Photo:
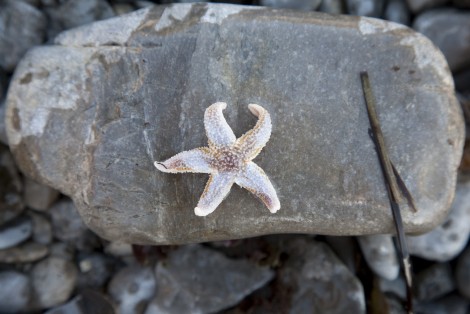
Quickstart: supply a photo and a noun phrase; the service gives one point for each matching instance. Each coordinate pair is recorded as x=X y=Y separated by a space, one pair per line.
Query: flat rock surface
x=90 y=114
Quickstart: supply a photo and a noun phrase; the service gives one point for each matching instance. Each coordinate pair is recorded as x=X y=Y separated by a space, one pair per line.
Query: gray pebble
x=434 y=282
x=462 y=273
x=417 y=6
x=304 y=5
x=42 y=230
x=332 y=6
x=132 y=287
x=38 y=196
x=196 y=279
x=11 y=203
x=397 y=11
x=24 y=253
x=15 y=292
x=371 y=8
x=53 y=281
x=15 y=232
x=380 y=254
x=95 y=269
x=449 y=29
x=451 y=304
x=446 y=241
x=22 y=26
x=69 y=13
x=87 y=302
x=396 y=287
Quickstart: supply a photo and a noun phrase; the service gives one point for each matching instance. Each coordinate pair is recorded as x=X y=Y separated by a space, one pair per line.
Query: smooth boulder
x=89 y=116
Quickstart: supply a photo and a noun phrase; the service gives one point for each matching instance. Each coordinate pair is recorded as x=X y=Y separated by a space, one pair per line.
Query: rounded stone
x=15 y=292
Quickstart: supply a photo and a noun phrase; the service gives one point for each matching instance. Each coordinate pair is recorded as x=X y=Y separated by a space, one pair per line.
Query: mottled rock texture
x=90 y=114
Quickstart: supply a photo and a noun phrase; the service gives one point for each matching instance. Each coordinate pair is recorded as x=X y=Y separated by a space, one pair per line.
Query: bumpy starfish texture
x=228 y=160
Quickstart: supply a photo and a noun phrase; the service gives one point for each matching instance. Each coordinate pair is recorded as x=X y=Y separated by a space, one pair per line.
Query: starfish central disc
x=228 y=160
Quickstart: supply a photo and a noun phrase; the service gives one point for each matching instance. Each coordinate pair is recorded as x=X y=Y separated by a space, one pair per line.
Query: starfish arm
x=257 y=182
x=254 y=140
x=218 y=131
x=195 y=160
x=216 y=190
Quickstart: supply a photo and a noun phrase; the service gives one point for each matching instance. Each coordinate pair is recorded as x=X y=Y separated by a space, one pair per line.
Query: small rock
x=417 y=6
x=117 y=248
x=449 y=239
x=42 y=231
x=24 y=253
x=380 y=254
x=462 y=273
x=332 y=6
x=69 y=13
x=62 y=250
x=38 y=196
x=15 y=292
x=304 y=5
x=397 y=11
x=195 y=279
x=373 y=8
x=95 y=269
x=316 y=279
x=53 y=281
x=132 y=287
x=449 y=29
x=22 y=26
x=68 y=226
x=396 y=287
x=452 y=304
x=3 y=130
x=15 y=232
x=11 y=204
x=434 y=282
x=87 y=302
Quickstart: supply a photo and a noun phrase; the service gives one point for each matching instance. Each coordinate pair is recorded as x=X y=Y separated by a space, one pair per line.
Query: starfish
x=228 y=160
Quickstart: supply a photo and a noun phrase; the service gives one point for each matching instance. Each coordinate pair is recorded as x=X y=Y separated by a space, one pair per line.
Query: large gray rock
x=90 y=115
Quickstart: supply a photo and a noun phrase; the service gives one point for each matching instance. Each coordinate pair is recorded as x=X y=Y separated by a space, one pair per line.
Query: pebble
x=196 y=279
x=434 y=282
x=87 y=302
x=15 y=291
x=53 y=281
x=451 y=304
x=3 y=130
x=332 y=7
x=380 y=254
x=68 y=14
x=417 y=6
x=15 y=232
x=24 y=253
x=38 y=196
x=68 y=226
x=95 y=270
x=132 y=287
x=462 y=273
x=117 y=248
x=397 y=11
x=396 y=287
x=11 y=203
x=446 y=241
x=42 y=229
x=316 y=279
x=304 y=5
x=448 y=29
x=372 y=8
x=22 y=26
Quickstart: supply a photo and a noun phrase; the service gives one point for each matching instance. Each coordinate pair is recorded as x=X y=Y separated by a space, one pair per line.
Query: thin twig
x=391 y=184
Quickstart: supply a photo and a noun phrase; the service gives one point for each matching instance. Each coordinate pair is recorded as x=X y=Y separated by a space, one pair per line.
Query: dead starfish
x=228 y=160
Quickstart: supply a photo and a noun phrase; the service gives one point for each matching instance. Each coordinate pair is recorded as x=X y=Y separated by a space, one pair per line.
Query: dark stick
x=391 y=184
